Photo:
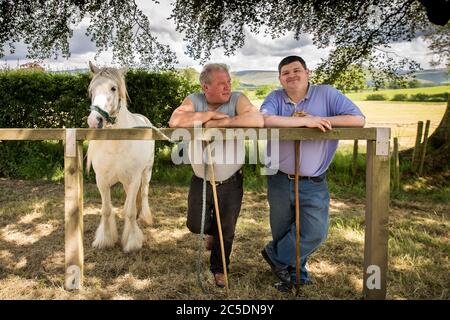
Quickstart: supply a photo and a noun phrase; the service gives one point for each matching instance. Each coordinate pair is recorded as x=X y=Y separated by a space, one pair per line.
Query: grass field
x=360 y=96
x=32 y=250
x=402 y=118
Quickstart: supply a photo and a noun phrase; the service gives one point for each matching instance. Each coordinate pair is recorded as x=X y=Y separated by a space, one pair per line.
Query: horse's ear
x=93 y=68
x=124 y=70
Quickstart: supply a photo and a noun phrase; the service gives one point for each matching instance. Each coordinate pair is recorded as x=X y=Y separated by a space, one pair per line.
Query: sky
x=258 y=53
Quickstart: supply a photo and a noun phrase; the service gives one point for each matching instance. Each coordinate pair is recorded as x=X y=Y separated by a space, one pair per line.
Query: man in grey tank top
x=217 y=106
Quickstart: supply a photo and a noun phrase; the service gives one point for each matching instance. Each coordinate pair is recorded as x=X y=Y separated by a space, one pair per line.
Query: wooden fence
x=377 y=187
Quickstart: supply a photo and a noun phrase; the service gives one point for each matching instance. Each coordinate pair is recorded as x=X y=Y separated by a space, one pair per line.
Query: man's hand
x=216 y=115
x=219 y=123
x=316 y=122
x=217 y=120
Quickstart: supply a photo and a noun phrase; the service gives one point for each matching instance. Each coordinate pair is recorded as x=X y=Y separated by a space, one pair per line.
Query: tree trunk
x=438 y=157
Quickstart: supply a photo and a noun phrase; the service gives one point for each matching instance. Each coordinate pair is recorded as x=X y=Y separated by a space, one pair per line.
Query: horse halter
x=105 y=114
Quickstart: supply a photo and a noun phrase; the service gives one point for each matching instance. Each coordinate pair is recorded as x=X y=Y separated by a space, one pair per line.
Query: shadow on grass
x=32 y=251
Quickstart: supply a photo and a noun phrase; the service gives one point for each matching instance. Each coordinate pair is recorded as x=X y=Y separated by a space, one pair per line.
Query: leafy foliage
x=353 y=79
x=45 y=100
x=47 y=25
x=359 y=30
x=263 y=91
x=439 y=41
x=42 y=100
x=376 y=97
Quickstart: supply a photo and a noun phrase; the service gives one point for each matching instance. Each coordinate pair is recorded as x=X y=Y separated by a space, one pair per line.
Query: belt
x=292 y=177
x=233 y=178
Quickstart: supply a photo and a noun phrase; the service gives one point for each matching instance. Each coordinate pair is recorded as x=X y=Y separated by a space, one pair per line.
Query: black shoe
x=282 y=274
x=219 y=278
x=283 y=286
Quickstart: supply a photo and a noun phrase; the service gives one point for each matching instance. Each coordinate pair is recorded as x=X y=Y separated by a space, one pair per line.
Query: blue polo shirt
x=320 y=100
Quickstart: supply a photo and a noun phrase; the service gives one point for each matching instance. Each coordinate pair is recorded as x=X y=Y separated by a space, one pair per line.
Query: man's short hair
x=205 y=75
x=289 y=60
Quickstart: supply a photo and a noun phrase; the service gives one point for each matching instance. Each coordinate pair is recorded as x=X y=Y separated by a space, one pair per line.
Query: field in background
x=402 y=118
x=359 y=96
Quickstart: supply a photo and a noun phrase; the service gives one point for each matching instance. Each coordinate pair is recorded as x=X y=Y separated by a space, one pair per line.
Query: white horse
x=127 y=161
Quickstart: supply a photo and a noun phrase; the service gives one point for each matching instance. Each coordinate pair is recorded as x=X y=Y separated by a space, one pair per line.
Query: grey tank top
x=229 y=157
x=229 y=108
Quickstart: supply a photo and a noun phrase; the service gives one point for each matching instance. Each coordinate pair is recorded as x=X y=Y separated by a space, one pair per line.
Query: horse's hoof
x=102 y=245
x=147 y=220
x=132 y=247
x=133 y=241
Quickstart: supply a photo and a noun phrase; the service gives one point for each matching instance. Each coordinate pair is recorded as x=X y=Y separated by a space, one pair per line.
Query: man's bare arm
x=271 y=121
x=347 y=121
x=247 y=116
x=323 y=123
x=185 y=116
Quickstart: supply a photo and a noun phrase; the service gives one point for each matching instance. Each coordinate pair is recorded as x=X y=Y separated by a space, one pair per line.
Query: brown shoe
x=219 y=278
x=209 y=240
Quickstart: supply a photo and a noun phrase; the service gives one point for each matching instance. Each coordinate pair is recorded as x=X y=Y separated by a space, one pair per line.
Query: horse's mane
x=116 y=76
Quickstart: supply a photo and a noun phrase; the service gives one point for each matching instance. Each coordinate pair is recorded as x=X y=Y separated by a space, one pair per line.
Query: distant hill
x=434 y=76
x=72 y=71
x=257 y=78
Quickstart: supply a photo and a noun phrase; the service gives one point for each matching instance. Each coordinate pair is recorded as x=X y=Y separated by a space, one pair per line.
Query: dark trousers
x=229 y=195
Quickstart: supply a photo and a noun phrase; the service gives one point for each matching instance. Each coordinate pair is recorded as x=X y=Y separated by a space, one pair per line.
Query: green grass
x=361 y=96
x=340 y=179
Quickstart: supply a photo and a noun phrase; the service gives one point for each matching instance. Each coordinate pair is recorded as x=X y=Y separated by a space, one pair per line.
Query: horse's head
x=108 y=95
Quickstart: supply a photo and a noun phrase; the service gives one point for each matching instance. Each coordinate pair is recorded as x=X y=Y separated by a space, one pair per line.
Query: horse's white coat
x=126 y=161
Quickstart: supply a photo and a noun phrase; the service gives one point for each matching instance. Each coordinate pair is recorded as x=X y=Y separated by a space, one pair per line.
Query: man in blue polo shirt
x=325 y=107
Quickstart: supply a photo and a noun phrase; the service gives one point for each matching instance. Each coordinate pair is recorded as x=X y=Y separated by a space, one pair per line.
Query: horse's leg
x=106 y=234
x=145 y=214
x=132 y=237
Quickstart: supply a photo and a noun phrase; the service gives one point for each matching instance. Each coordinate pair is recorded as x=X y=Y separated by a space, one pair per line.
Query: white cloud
x=417 y=49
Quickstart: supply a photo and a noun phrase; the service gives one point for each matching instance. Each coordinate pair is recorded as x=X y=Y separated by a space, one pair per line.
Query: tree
x=353 y=79
x=439 y=43
x=190 y=74
x=359 y=30
x=414 y=83
x=235 y=83
x=263 y=91
x=47 y=25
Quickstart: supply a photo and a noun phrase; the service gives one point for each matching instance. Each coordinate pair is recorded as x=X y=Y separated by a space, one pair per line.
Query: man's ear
x=93 y=68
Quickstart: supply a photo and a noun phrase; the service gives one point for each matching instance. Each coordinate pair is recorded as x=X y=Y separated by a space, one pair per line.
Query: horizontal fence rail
x=377 y=183
x=197 y=134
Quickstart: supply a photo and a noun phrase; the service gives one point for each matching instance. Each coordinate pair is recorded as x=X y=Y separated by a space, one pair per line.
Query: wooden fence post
x=416 y=150
x=377 y=214
x=355 y=160
x=396 y=161
x=423 y=149
x=73 y=185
